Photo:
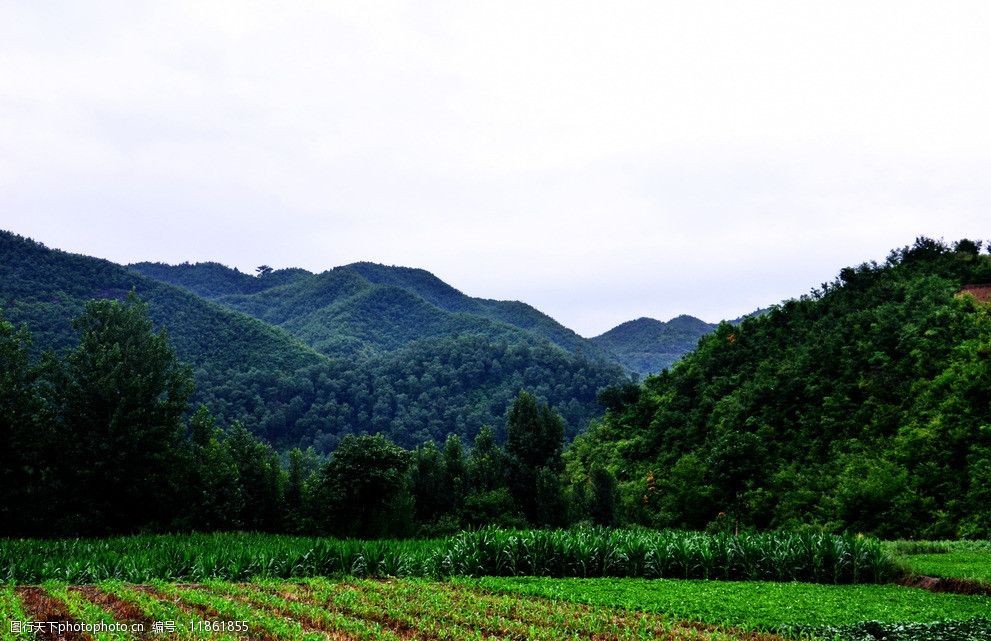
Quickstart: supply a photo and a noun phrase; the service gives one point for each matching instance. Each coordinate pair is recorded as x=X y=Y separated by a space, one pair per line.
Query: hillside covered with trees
x=863 y=406
x=366 y=307
x=329 y=354
x=647 y=346
x=99 y=440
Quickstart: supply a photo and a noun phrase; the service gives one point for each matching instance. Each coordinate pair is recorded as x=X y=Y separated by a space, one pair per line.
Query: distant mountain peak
x=646 y=345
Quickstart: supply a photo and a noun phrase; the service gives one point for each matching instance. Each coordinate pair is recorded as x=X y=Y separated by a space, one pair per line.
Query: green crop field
x=963 y=565
x=756 y=605
x=490 y=608
x=318 y=609
x=493 y=584
x=579 y=552
x=956 y=559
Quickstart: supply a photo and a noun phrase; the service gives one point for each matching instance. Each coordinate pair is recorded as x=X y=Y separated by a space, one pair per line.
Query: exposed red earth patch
x=121 y=610
x=981 y=292
x=947 y=585
x=43 y=607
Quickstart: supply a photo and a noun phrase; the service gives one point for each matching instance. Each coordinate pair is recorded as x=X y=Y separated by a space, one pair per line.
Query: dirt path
x=122 y=611
x=43 y=607
x=947 y=585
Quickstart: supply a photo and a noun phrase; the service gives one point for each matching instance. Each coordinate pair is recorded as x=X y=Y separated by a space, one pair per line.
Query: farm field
x=755 y=605
x=321 y=609
x=513 y=608
x=577 y=552
x=962 y=565
x=494 y=584
x=954 y=559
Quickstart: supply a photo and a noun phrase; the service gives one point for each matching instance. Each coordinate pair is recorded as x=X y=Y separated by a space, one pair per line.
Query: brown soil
x=980 y=291
x=43 y=607
x=953 y=586
x=121 y=610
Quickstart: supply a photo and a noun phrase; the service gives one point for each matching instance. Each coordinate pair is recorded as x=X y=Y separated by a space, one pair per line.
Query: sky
x=601 y=161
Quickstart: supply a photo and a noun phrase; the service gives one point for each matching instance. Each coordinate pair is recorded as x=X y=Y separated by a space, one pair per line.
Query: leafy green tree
x=867 y=495
x=260 y=480
x=428 y=483
x=550 y=504
x=363 y=486
x=734 y=467
x=124 y=398
x=455 y=474
x=487 y=463
x=301 y=473
x=215 y=500
x=534 y=443
x=976 y=524
x=602 y=506
x=23 y=430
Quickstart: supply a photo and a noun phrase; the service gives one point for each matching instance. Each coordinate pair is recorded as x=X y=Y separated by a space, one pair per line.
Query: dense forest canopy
x=305 y=359
x=865 y=405
x=97 y=441
x=366 y=307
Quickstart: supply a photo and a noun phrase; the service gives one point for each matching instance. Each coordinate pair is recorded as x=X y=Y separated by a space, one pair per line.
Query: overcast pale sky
x=601 y=161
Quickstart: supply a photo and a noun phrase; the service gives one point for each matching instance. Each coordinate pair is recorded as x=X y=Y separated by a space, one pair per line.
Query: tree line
x=100 y=441
x=863 y=406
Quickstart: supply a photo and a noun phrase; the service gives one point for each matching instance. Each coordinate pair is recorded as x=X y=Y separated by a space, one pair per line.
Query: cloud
x=600 y=162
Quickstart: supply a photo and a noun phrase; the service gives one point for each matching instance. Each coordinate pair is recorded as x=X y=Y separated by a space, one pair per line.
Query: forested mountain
x=366 y=306
x=46 y=289
x=387 y=360
x=864 y=406
x=647 y=346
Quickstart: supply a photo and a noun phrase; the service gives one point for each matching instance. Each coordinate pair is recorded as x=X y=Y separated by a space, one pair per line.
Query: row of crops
x=320 y=609
x=580 y=552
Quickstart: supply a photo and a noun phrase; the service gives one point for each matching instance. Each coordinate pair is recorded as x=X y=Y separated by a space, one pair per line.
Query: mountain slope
x=394 y=376
x=647 y=346
x=47 y=288
x=310 y=306
x=863 y=407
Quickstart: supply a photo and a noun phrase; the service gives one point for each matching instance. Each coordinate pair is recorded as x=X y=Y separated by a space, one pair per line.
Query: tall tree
x=455 y=474
x=363 y=486
x=216 y=500
x=260 y=480
x=427 y=483
x=534 y=442
x=124 y=398
x=20 y=422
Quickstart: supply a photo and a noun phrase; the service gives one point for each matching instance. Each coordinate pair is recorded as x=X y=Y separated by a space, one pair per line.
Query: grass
x=961 y=565
x=953 y=559
x=753 y=605
x=579 y=552
x=11 y=610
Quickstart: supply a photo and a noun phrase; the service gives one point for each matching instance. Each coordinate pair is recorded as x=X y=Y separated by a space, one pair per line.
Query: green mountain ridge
x=46 y=288
x=647 y=346
x=305 y=359
x=310 y=305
